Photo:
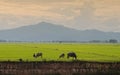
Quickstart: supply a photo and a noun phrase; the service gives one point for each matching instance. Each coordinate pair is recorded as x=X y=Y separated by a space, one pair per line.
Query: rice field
x=51 y=51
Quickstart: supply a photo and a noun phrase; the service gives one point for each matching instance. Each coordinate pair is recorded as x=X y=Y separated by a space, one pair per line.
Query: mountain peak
x=44 y=31
x=43 y=22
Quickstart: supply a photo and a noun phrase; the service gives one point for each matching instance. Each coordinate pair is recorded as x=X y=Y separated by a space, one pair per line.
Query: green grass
x=89 y=52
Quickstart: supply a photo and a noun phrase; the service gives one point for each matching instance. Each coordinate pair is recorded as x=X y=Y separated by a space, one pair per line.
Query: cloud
x=98 y=14
x=79 y=14
x=56 y=11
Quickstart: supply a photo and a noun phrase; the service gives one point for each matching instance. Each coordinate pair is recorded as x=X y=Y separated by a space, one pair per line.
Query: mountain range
x=44 y=31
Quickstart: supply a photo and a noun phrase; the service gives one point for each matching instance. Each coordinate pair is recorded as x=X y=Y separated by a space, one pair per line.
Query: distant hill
x=49 y=32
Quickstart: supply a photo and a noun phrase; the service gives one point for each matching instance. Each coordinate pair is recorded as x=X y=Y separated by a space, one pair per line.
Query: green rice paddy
x=87 y=52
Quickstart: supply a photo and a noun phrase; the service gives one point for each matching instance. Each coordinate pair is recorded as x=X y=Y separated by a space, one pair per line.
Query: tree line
x=91 y=41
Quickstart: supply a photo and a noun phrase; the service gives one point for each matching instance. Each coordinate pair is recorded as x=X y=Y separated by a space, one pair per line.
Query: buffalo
x=72 y=54
x=37 y=55
x=62 y=55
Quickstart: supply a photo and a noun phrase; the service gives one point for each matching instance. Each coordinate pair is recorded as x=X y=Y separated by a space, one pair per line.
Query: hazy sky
x=80 y=14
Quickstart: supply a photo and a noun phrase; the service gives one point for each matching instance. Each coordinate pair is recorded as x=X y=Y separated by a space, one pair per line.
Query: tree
x=113 y=41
